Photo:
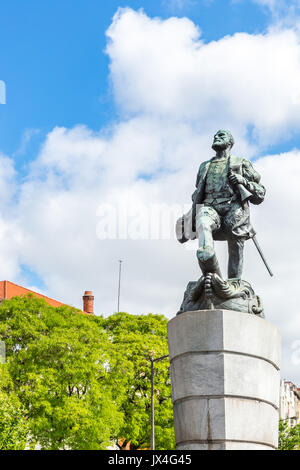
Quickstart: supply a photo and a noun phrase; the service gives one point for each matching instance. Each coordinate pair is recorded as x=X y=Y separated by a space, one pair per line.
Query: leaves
x=289 y=437
x=14 y=427
x=135 y=338
x=83 y=382
x=56 y=359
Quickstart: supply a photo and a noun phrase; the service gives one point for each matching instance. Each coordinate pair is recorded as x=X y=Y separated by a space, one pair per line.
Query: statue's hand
x=235 y=178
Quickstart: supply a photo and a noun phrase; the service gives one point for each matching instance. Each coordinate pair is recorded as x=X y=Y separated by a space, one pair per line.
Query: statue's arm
x=252 y=183
x=199 y=174
x=197 y=183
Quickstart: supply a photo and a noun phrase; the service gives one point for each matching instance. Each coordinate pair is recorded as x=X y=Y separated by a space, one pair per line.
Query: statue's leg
x=207 y=220
x=236 y=257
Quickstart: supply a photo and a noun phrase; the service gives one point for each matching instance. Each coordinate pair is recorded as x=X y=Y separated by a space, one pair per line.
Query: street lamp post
x=152 y=407
x=152 y=399
x=119 y=285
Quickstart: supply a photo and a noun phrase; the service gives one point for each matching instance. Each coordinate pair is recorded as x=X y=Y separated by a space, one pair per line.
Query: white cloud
x=284 y=13
x=28 y=134
x=276 y=6
x=173 y=92
x=164 y=68
x=179 y=4
x=10 y=235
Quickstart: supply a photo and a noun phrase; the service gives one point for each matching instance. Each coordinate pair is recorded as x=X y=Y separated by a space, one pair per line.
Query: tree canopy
x=289 y=437
x=57 y=361
x=14 y=429
x=83 y=382
x=136 y=338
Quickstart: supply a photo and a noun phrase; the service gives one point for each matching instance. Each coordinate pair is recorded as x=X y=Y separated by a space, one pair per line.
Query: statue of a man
x=224 y=187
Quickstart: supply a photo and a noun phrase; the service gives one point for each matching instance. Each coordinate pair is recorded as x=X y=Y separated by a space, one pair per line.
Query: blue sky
x=53 y=62
x=105 y=109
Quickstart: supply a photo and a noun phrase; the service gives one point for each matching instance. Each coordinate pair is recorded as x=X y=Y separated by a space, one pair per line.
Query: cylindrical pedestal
x=225 y=380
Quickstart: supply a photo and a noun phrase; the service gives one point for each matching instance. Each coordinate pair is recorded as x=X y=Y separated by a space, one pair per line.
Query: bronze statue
x=225 y=185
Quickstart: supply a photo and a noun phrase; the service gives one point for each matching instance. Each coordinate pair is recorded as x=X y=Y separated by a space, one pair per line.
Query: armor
x=238 y=224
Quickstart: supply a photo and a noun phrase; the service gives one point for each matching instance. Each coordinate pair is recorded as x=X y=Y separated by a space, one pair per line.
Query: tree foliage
x=14 y=427
x=135 y=339
x=83 y=382
x=289 y=437
x=57 y=361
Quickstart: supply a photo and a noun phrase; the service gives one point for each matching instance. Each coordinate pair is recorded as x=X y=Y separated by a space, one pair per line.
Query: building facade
x=289 y=402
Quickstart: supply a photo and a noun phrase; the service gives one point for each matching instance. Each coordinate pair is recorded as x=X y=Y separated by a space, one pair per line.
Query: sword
x=261 y=254
x=245 y=194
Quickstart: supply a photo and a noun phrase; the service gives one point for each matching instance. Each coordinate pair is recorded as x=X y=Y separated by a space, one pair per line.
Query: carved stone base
x=212 y=292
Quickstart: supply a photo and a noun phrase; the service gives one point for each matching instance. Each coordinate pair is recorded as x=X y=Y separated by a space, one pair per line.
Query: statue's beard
x=219 y=146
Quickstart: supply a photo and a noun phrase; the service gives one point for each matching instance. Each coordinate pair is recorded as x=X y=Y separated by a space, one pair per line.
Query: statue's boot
x=235 y=259
x=208 y=261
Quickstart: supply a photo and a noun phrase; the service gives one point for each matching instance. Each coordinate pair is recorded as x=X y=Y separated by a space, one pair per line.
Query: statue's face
x=221 y=140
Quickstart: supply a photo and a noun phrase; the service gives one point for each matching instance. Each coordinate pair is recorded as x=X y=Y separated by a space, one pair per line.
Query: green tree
x=13 y=421
x=84 y=381
x=289 y=437
x=135 y=338
x=58 y=359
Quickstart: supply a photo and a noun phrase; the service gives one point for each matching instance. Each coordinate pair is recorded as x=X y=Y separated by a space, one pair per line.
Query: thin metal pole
x=152 y=407
x=119 y=287
x=152 y=399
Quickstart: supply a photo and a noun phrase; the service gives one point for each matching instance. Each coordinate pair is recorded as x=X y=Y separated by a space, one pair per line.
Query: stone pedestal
x=225 y=380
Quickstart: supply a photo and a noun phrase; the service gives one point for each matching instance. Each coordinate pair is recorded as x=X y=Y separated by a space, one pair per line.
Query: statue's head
x=222 y=140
